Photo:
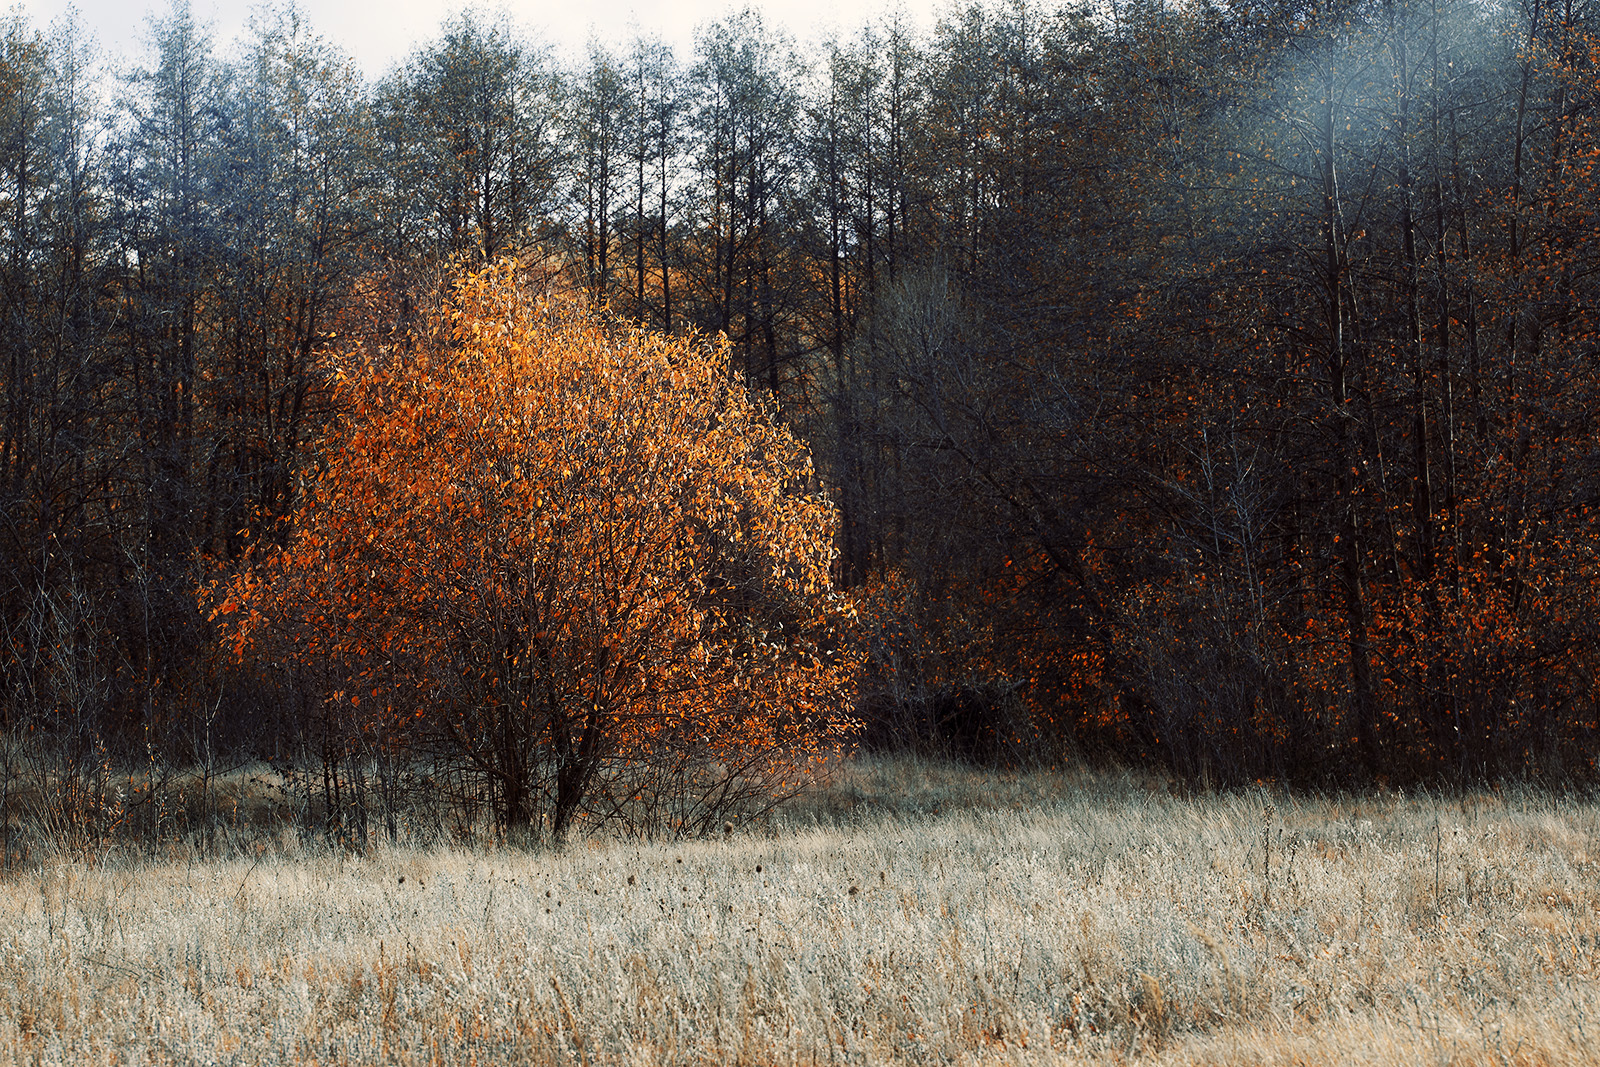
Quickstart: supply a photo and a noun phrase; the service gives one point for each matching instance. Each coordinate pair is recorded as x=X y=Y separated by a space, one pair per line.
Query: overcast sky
x=378 y=32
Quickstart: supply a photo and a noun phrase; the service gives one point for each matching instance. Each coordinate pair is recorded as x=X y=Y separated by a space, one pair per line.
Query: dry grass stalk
x=1036 y=920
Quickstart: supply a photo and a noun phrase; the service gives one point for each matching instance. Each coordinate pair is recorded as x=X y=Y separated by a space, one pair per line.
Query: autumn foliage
x=578 y=560
x=1206 y=387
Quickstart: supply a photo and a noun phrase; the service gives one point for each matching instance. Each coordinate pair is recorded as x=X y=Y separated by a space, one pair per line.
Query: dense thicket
x=1211 y=385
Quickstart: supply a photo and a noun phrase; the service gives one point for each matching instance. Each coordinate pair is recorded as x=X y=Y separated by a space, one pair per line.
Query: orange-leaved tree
x=580 y=558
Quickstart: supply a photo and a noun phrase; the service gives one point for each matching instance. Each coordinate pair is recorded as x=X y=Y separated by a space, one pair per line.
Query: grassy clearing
x=908 y=915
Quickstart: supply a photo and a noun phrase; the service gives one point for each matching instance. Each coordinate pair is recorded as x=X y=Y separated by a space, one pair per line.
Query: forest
x=1209 y=387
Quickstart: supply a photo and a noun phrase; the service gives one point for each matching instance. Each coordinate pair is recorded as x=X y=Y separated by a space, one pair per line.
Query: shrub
x=580 y=559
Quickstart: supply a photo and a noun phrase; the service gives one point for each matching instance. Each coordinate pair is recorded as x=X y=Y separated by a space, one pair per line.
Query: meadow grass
x=907 y=914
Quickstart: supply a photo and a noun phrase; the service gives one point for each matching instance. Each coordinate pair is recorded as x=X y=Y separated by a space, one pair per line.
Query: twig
x=240 y=891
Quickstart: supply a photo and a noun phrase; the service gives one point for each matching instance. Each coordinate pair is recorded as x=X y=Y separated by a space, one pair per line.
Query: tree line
x=1208 y=386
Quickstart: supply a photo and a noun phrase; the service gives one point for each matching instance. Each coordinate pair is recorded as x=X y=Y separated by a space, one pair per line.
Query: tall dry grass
x=910 y=915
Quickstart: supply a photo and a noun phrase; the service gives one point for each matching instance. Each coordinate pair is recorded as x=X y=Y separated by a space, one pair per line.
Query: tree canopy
x=580 y=556
x=1204 y=386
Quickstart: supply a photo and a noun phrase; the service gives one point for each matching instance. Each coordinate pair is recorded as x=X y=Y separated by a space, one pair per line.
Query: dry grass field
x=906 y=915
